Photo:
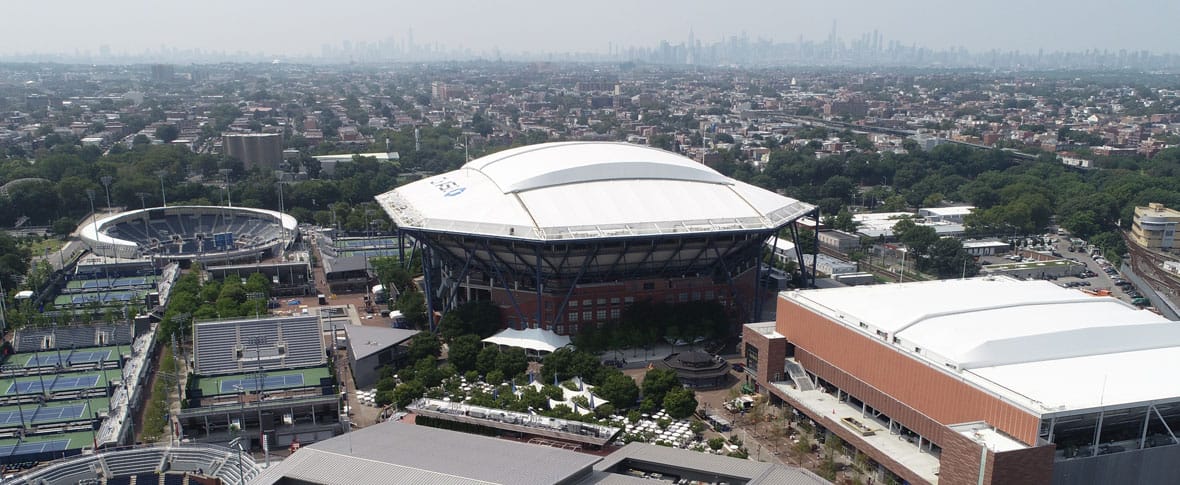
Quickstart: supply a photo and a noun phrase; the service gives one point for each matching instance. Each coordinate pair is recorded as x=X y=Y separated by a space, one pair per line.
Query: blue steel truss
x=520 y=266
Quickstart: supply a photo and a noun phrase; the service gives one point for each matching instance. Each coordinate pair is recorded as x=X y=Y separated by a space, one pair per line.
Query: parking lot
x=1099 y=275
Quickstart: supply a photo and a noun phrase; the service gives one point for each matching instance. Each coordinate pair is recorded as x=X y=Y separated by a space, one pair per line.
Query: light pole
x=93 y=218
x=106 y=184
x=282 y=229
x=143 y=199
x=163 y=197
x=20 y=410
x=229 y=200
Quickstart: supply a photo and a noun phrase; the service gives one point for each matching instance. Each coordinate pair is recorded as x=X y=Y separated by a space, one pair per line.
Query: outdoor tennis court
x=38 y=447
x=8 y=418
x=268 y=382
x=43 y=415
x=367 y=243
x=124 y=282
x=103 y=297
x=74 y=357
x=372 y=253
x=58 y=383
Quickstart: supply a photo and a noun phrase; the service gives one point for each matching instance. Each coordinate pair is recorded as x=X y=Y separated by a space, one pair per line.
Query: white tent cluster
x=678 y=432
x=567 y=396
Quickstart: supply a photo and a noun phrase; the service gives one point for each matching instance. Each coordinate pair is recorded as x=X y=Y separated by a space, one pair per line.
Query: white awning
x=529 y=339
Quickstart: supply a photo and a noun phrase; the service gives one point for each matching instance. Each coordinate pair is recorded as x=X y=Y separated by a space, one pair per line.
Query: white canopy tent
x=534 y=341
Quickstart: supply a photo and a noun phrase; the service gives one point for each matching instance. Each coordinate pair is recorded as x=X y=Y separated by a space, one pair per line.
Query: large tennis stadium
x=191 y=233
x=565 y=234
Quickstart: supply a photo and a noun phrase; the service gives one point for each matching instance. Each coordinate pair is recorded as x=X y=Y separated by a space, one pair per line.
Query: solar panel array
x=29 y=339
x=226 y=347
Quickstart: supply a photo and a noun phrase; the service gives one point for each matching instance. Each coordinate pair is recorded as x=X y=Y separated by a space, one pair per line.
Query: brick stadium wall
x=1029 y=466
x=885 y=379
x=771 y=355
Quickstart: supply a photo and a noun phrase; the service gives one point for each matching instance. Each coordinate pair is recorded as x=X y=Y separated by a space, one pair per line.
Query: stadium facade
x=567 y=234
x=942 y=381
x=191 y=233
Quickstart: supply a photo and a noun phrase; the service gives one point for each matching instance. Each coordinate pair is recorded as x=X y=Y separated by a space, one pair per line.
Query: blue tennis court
x=268 y=382
x=40 y=447
x=8 y=418
x=114 y=296
x=73 y=411
x=75 y=357
x=42 y=415
x=59 y=384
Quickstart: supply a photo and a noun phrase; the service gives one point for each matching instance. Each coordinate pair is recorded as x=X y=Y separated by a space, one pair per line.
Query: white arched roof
x=576 y=190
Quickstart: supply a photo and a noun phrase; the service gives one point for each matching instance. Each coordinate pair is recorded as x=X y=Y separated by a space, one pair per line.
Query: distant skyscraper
x=692 y=47
x=163 y=72
x=254 y=149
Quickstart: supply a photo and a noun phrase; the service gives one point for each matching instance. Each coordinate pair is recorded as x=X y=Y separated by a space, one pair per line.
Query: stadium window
x=649 y=286
x=573 y=317
x=614 y=301
x=602 y=301
x=629 y=300
x=560 y=329
x=614 y=313
x=683 y=297
x=573 y=303
x=587 y=302
x=587 y=316
x=601 y=315
x=573 y=329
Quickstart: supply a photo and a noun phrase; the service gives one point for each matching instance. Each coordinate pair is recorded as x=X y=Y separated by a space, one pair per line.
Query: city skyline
x=461 y=29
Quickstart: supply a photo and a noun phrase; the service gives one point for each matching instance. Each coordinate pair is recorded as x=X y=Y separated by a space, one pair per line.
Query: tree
x=657 y=383
x=63 y=226
x=949 y=259
x=619 y=389
x=680 y=402
x=512 y=361
x=167 y=133
x=475 y=317
x=485 y=361
x=463 y=352
x=406 y=392
x=424 y=344
x=917 y=239
x=412 y=304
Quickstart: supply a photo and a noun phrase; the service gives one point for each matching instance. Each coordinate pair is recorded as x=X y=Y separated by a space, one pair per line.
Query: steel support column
x=1169 y=428
x=1146 y=421
x=540 y=292
x=507 y=288
x=560 y=315
x=426 y=281
x=1097 y=434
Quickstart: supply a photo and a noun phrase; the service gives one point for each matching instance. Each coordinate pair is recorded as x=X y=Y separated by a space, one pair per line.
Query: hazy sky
x=298 y=27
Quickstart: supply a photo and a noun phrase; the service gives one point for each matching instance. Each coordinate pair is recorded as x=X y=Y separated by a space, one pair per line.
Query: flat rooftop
x=402 y=453
x=1047 y=349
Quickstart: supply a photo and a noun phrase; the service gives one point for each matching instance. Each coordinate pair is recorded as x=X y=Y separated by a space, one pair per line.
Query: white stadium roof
x=578 y=190
x=1045 y=348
